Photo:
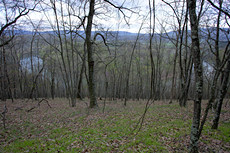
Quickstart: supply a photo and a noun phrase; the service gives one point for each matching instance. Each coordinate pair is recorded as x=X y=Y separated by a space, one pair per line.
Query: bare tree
x=195 y=48
x=218 y=70
x=221 y=95
x=62 y=27
x=92 y=93
x=151 y=33
x=130 y=64
x=12 y=11
x=182 y=49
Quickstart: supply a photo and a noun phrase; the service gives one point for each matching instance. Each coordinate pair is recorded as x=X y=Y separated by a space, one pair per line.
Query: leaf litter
x=62 y=128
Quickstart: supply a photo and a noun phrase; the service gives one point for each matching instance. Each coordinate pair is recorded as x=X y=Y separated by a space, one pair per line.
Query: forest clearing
x=62 y=128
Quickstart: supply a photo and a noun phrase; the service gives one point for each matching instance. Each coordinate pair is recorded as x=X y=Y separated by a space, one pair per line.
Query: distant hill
x=224 y=34
x=204 y=33
x=124 y=35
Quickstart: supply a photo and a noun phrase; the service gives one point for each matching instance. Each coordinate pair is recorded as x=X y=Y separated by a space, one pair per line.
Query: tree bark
x=130 y=64
x=194 y=136
x=221 y=95
x=217 y=73
x=52 y=81
x=89 y=45
x=152 y=30
x=6 y=75
x=81 y=74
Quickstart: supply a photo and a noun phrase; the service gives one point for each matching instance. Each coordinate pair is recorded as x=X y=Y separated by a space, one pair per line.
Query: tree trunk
x=217 y=73
x=129 y=66
x=152 y=30
x=92 y=94
x=7 y=78
x=81 y=75
x=2 y=77
x=194 y=137
x=31 y=61
x=172 y=96
x=52 y=83
x=221 y=95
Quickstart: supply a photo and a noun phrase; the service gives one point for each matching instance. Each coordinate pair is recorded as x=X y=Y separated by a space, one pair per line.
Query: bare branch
x=178 y=19
x=121 y=8
x=224 y=11
x=24 y=12
x=99 y=34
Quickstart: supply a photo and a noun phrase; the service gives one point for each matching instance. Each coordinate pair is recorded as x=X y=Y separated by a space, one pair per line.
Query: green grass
x=166 y=128
x=223 y=132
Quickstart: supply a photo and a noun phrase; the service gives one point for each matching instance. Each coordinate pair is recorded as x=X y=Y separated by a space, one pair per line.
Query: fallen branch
x=24 y=105
x=19 y=108
x=38 y=105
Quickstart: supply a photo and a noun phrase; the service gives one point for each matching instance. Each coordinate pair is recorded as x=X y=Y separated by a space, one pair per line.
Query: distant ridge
x=124 y=35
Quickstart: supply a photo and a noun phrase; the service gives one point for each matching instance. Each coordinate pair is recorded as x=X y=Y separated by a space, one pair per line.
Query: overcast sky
x=115 y=19
x=108 y=17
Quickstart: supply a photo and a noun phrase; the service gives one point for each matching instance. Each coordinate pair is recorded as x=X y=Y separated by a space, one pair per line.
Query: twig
x=225 y=11
x=121 y=9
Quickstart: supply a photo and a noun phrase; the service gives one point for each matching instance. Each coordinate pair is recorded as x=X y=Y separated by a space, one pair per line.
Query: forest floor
x=166 y=127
